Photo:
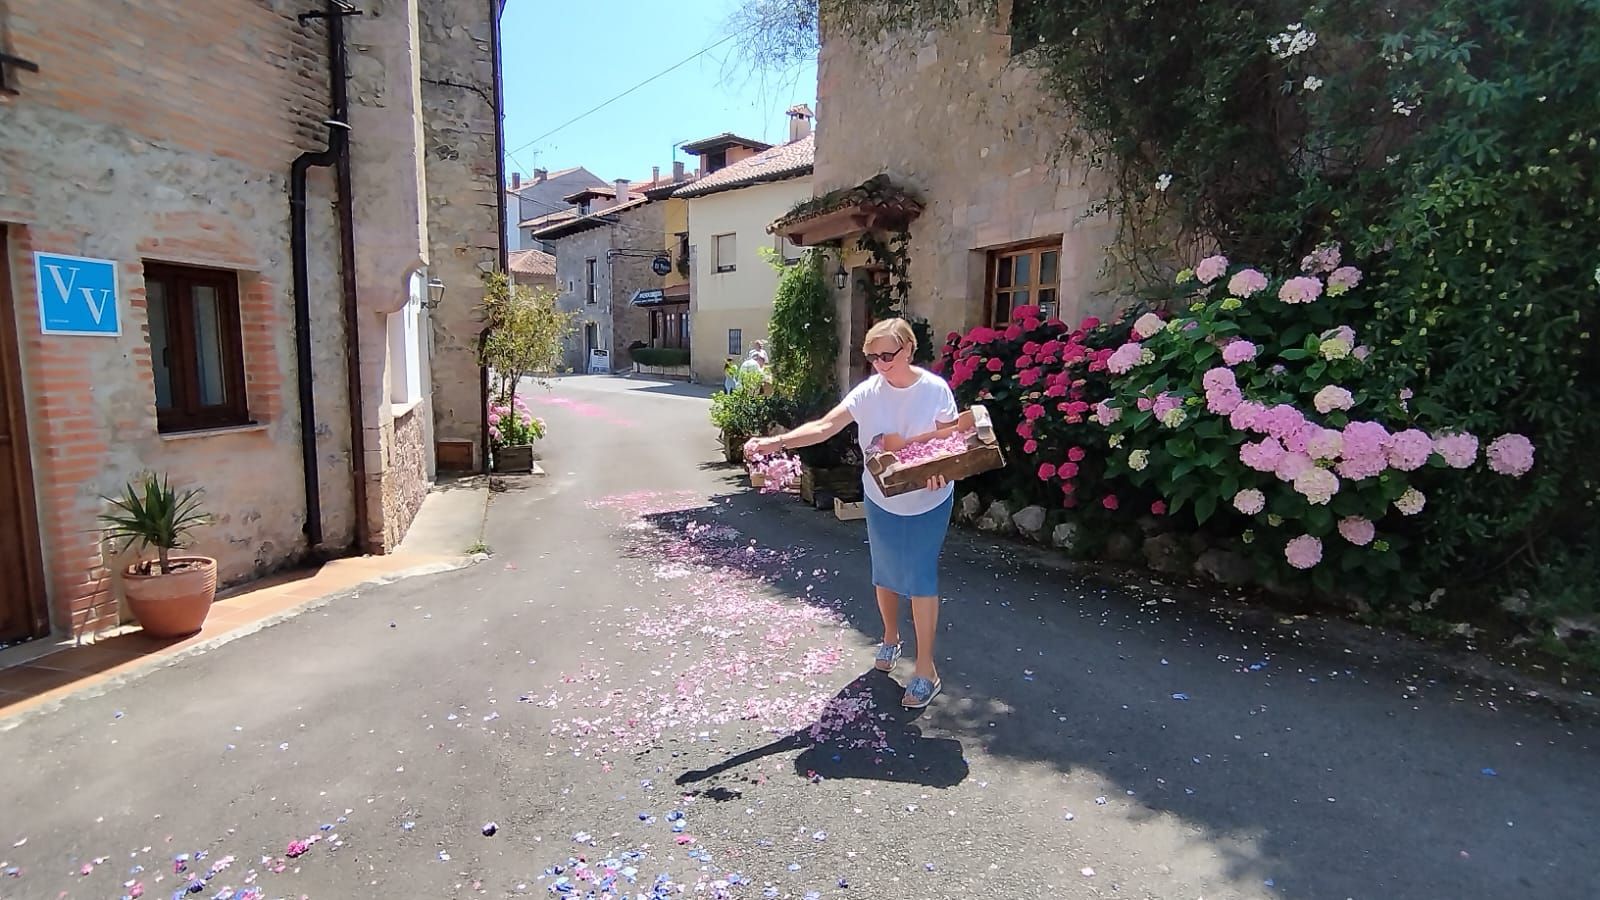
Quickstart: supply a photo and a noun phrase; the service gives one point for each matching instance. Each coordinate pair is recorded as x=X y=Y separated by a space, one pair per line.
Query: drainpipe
x=352 y=323
x=338 y=143
x=495 y=8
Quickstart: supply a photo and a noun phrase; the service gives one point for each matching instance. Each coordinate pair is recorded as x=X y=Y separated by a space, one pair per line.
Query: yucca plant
x=152 y=514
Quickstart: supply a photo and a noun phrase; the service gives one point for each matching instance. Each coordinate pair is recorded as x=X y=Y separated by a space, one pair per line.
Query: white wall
x=742 y=298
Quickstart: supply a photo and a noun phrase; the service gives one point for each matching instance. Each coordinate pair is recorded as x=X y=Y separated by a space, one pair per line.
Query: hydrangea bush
x=513 y=425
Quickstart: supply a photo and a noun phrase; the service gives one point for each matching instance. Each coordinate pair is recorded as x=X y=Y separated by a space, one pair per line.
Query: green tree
x=803 y=338
x=525 y=333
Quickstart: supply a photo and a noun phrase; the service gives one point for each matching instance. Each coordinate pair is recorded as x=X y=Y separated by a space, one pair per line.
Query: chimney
x=655 y=175
x=677 y=171
x=539 y=175
x=800 y=116
x=516 y=180
x=622 y=190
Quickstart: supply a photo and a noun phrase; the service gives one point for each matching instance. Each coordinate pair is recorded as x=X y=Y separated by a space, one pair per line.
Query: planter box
x=849 y=512
x=757 y=480
x=677 y=372
x=514 y=459
x=840 y=480
x=982 y=455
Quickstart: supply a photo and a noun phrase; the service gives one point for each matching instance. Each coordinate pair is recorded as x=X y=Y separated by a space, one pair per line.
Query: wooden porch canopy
x=875 y=203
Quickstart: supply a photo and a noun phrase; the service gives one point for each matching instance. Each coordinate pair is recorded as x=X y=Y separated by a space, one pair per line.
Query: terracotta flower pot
x=173 y=605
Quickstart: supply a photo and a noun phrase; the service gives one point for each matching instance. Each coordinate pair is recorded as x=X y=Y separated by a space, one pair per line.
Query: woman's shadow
x=862 y=732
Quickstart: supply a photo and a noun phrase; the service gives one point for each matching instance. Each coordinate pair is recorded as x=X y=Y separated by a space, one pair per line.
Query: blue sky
x=562 y=58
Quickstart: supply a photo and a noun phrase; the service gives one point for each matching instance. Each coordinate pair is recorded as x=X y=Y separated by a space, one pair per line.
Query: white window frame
x=730 y=262
x=405 y=345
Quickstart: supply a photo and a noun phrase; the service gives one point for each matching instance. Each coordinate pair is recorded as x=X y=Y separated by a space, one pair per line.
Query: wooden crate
x=757 y=480
x=849 y=512
x=982 y=455
x=844 y=480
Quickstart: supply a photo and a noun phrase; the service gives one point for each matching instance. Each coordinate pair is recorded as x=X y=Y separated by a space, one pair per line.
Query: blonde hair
x=898 y=329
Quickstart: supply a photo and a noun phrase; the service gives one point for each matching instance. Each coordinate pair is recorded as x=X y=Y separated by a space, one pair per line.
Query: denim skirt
x=905 y=549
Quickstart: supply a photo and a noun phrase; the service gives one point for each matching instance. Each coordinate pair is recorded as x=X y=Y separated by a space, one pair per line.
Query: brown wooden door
x=21 y=590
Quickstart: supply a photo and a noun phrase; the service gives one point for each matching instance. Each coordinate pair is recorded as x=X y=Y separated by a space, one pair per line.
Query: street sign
x=661 y=265
x=77 y=296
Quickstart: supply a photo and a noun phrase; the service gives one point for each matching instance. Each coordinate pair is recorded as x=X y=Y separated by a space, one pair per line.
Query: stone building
x=160 y=311
x=528 y=201
x=729 y=209
x=533 y=269
x=958 y=126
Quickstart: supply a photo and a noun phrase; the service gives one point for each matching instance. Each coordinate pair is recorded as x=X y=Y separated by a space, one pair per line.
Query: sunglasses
x=884 y=357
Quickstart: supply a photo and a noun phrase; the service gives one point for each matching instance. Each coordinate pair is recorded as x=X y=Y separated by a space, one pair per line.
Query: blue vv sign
x=77 y=295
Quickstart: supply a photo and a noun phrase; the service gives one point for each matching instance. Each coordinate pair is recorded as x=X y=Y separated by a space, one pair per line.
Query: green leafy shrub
x=745 y=411
x=803 y=340
x=660 y=356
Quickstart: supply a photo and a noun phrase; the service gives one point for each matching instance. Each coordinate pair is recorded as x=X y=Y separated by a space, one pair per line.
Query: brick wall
x=163 y=131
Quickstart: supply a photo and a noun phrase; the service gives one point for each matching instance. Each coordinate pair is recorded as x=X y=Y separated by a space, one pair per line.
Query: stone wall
x=460 y=124
x=408 y=484
x=951 y=116
x=639 y=229
x=96 y=163
x=572 y=253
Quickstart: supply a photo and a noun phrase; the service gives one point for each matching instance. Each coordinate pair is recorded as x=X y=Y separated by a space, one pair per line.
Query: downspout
x=338 y=140
x=495 y=8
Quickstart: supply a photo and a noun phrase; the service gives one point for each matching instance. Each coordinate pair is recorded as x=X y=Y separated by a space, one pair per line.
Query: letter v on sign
x=77 y=295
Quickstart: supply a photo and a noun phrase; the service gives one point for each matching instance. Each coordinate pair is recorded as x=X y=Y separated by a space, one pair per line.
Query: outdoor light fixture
x=435 y=293
x=841 y=278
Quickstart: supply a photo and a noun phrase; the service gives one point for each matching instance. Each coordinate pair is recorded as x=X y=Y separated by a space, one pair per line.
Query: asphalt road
x=662 y=674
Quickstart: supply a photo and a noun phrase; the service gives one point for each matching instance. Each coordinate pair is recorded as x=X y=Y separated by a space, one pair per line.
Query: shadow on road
x=862 y=733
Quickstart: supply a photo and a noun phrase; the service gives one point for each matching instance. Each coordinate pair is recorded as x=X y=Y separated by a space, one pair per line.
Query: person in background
x=899 y=404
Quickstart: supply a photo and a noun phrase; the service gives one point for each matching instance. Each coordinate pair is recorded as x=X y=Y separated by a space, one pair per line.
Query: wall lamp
x=435 y=293
x=841 y=278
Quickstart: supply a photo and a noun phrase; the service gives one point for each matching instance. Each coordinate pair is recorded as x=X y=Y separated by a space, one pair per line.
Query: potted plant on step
x=742 y=413
x=512 y=431
x=169 y=595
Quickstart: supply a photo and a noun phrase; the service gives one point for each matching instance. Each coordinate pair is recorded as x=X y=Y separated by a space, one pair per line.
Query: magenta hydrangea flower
x=1409 y=450
x=1246 y=282
x=1250 y=501
x=1247 y=416
x=1459 y=449
x=1332 y=397
x=1211 y=268
x=1510 y=454
x=1343 y=279
x=1263 y=456
x=1240 y=351
x=1303 y=289
x=1105 y=413
x=1033 y=411
x=1219 y=379
x=1357 y=530
x=1303 y=552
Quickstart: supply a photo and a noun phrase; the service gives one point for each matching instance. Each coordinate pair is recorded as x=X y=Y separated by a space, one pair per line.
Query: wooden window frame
x=591 y=268
x=716 y=252
x=187 y=412
x=992 y=290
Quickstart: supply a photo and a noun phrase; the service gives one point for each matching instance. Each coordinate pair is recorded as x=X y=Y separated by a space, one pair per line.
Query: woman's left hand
x=936 y=482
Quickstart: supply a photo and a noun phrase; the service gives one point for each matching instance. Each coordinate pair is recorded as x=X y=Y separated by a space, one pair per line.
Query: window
x=727 y=252
x=669 y=327
x=1022 y=277
x=405 y=347
x=195 y=348
x=788 y=252
x=589 y=266
x=683 y=253
x=716 y=160
x=735 y=342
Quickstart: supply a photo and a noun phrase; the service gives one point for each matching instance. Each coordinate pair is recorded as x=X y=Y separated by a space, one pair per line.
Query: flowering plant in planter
x=1257 y=409
x=513 y=425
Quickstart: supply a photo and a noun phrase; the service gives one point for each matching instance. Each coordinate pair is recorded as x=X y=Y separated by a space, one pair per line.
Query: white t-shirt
x=879 y=408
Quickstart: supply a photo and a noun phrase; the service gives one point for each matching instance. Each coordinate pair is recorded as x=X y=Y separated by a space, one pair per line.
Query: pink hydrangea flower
x=1247 y=416
x=1028 y=378
x=1343 y=279
x=1297 y=440
x=1263 y=456
x=1317 y=485
x=1365 y=439
x=1325 y=443
x=1223 y=402
x=1013 y=331
x=1110 y=501
x=1303 y=552
x=1030 y=446
x=1067 y=470
x=1105 y=413
x=1246 y=282
x=1147 y=325
x=1165 y=403
x=1357 y=530
x=1047 y=471
x=1281 y=421
x=1459 y=449
x=1292 y=465
x=1331 y=398
x=996 y=364
x=1409 y=450
x=1211 y=268
x=1076 y=454
x=1303 y=289
x=1510 y=454
x=1033 y=411
x=1323 y=259
x=1240 y=351
x=1250 y=501
x=1158 y=508
x=1124 y=359
x=1219 y=379
x=1366 y=465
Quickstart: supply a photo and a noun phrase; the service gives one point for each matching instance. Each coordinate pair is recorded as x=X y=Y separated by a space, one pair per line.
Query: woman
x=900 y=404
